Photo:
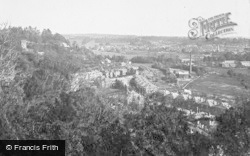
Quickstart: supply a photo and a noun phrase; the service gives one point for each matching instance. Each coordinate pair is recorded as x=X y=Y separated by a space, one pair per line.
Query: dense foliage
x=233 y=131
x=140 y=59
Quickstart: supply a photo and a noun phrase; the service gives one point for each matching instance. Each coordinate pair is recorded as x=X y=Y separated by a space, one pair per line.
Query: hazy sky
x=134 y=17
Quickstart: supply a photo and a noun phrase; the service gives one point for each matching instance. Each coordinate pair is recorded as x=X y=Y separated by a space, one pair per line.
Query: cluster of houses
x=233 y=63
x=117 y=47
x=120 y=71
x=161 y=46
x=106 y=77
x=187 y=94
x=91 y=75
x=245 y=63
x=222 y=48
x=198 y=114
x=228 y=64
x=144 y=83
x=138 y=45
x=111 y=73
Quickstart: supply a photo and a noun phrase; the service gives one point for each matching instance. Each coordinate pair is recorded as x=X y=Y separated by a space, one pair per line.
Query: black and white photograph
x=124 y=77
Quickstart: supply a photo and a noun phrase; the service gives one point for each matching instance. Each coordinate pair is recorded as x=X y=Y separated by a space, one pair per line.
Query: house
x=111 y=74
x=174 y=95
x=123 y=71
x=187 y=91
x=228 y=64
x=179 y=73
x=116 y=73
x=245 y=63
x=211 y=102
x=108 y=60
x=198 y=99
x=164 y=91
x=24 y=44
x=187 y=61
x=40 y=53
x=183 y=74
x=123 y=64
x=207 y=55
x=65 y=45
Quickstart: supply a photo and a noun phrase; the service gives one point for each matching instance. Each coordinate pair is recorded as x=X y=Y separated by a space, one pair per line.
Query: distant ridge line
x=118 y=35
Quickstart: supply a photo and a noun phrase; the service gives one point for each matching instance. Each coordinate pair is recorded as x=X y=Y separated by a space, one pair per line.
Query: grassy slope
x=216 y=84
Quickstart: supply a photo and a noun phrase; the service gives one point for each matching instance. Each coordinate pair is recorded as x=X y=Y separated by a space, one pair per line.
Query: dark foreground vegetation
x=36 y=103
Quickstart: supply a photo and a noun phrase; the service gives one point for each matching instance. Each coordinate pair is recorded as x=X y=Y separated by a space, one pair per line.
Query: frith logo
x=212 y=27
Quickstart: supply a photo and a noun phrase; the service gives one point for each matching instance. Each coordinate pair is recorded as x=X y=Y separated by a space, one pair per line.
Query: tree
x=159 y=130
x=229 y=56
x=233 y=131
x=222 y=58
x=119 y=85
x=32 y=34
x=46 y=35
x=231 y=73
x=8 y=56
x=116 y=140
x=59 y=37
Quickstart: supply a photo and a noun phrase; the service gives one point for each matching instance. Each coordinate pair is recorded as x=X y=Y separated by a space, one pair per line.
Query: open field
x=244 y=71
x=218 y=85
x=218 y=70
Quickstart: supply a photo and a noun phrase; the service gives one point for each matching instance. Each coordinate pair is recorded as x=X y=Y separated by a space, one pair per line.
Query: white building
x=180 y=73
x=245 y=63
x=24 y=44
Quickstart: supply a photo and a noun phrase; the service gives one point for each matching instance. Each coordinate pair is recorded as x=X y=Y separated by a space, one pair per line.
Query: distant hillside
x=68 y=36
x=83 y=39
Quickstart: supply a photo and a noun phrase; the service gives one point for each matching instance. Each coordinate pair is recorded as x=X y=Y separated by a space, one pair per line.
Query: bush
x=231 y=73
x=169 y=78
x=119 y=85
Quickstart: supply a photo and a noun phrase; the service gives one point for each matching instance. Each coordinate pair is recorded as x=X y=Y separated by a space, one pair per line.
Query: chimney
x=218 y=48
